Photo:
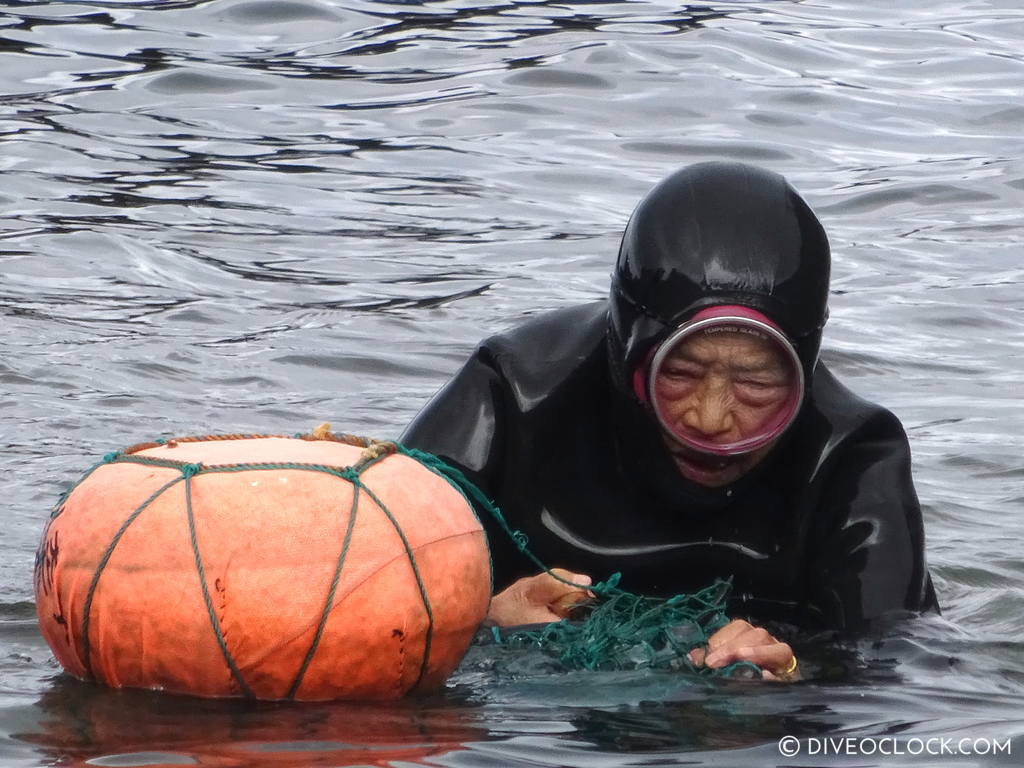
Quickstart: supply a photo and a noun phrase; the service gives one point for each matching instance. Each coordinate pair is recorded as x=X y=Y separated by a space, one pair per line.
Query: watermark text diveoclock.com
x=859 y=746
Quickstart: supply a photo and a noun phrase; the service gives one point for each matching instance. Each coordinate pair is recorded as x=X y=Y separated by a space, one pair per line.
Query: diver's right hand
x=740 y=640
x=538 y=599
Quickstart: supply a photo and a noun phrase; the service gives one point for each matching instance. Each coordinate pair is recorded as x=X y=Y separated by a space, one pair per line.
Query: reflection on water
x=78 y=722
x=512 y=711
x=257 y=215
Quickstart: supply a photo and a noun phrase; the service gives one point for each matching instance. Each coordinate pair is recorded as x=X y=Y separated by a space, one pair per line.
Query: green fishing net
x=624 y=631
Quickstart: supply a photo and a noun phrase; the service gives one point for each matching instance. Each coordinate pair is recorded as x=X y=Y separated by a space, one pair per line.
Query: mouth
x=704 y=468
x=704 y=462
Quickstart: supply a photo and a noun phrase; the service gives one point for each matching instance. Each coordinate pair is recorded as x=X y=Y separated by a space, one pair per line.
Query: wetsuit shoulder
x=867 y=535
x=542 y=352
x=507 y=376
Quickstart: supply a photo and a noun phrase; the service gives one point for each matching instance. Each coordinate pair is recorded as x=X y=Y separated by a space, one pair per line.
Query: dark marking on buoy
x=46 y=563
x=62 y=621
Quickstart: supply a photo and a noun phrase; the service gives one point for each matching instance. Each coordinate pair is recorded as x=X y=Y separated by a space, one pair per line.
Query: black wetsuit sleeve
x=462 y=423
x=868 y=558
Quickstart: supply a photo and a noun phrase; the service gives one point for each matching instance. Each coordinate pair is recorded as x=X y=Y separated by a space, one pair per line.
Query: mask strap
x=640 y=377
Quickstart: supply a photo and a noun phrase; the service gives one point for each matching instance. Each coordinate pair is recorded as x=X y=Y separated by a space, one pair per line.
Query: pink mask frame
x=734 y=319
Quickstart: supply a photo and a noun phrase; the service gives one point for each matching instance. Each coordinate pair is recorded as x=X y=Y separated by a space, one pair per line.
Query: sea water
x=257 y=215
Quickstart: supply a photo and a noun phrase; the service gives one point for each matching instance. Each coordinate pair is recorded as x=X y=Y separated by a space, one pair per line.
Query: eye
x=761 y=392
x=678 y=379
x=682 y=371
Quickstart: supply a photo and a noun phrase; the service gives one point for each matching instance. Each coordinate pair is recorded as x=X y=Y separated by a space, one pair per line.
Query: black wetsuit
x=825 y=532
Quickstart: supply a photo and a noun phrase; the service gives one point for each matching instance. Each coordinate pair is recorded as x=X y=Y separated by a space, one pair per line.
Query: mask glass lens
x=726 y=385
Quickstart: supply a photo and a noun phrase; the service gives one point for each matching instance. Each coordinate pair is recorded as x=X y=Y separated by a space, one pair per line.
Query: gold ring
x=789 y=673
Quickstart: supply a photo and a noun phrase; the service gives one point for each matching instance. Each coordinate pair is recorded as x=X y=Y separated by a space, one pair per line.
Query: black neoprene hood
x=712 y=234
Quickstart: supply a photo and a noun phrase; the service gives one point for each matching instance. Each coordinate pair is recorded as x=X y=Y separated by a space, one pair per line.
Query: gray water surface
x=257 y=215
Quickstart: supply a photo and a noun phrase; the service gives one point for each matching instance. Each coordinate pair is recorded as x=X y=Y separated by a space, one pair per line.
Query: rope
x=329 y=602
x=94 y=582
x=419 y=582
x=194 y=469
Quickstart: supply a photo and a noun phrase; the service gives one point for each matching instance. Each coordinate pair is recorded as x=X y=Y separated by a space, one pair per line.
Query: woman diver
x=685 y=430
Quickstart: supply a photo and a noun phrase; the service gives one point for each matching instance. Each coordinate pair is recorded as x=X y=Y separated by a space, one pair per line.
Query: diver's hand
x=538 y=599
x=741 y=641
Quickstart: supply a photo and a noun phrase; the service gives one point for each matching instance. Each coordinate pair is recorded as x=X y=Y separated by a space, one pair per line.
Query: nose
x=710 y=412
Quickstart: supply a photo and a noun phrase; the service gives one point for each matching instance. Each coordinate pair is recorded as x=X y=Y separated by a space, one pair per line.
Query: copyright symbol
x=789 y=746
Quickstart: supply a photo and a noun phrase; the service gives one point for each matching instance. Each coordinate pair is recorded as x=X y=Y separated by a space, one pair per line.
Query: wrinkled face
x=718 y=389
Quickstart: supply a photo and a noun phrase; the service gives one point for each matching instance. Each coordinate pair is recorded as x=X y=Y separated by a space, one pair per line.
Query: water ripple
x=261 y=214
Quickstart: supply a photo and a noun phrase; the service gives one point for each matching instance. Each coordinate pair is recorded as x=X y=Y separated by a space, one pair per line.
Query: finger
x=744 y=644
x=562 y=606
x=751 y=636
x=545 y=589
x=775 y=657
x=728 y=633
x=579 y=579
x=735 y=634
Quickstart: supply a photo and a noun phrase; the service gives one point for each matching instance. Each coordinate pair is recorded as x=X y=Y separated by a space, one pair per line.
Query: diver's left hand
x=740 y=640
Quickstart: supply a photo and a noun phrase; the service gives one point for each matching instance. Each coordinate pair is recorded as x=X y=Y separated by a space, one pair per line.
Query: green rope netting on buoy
x=619 y=631
x=189 y=472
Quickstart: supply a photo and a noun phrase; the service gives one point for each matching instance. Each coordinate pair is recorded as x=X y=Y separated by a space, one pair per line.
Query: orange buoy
x=265 y=567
